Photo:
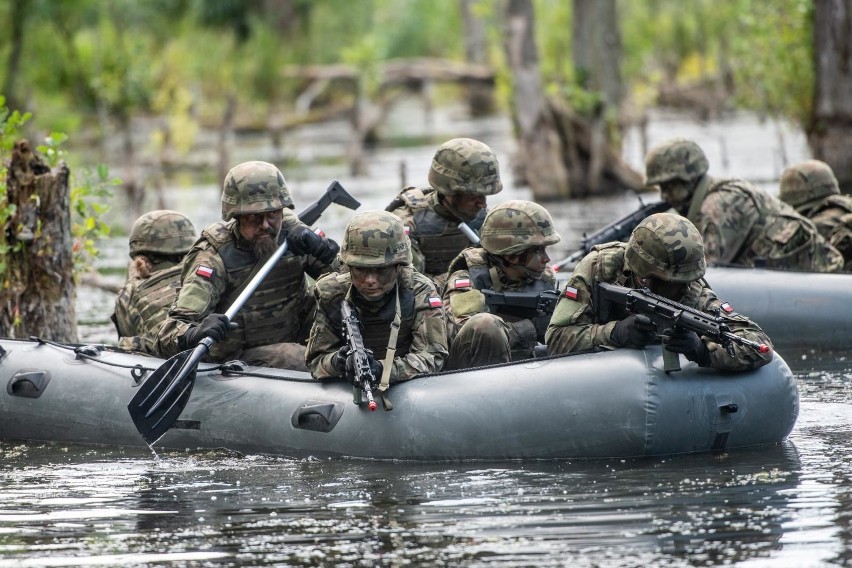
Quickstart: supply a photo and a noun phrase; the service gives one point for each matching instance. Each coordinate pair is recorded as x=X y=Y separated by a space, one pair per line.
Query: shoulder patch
x=205 y=271
x=461 y=283
x=726 y=307
x=435 y=302
x=570 y=292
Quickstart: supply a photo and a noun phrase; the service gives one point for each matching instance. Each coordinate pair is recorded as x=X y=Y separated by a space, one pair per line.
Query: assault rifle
x=522 y=304
x=365 y=381
x=667 y=314
x=618 y=230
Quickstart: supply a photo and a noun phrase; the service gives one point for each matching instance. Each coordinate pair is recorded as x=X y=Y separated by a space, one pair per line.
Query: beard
x=264 y=246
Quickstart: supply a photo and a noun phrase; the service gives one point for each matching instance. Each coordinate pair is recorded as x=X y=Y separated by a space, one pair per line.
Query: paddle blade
x=162 y=397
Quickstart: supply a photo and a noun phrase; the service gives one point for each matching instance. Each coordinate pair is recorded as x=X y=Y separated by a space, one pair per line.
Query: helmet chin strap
x=447 y=202
x=522 y=268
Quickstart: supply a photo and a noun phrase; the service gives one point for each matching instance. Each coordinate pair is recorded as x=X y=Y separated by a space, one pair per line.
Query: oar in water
x=162 y=397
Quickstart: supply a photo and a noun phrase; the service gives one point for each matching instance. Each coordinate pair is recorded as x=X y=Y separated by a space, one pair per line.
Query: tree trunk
x=539 y=161
x=830 y=130
x=480 y=96
x=596 y=45
x=38 y=296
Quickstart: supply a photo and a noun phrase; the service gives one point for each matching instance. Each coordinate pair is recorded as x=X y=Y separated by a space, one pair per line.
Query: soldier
x=665 y=254
x=463 y=173
x=512 y=258
x=739 y=224
x=401 y=315
x=812 y=189
x=158 y=242
x=273 y=323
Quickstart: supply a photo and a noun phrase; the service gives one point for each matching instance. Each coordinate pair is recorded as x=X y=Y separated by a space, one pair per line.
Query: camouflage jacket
x=216 y=271
x=832 y=216
x=574 y=327
x=143 y=304
x=434 y=231
x=473 y=270
x=421 y=345
x=742 y=225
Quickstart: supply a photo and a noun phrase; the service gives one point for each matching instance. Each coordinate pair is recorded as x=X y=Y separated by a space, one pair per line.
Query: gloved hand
x=303 y=241
x=338 y=361
x=688 y=343
x=635 y=331
x=541 y=323
x=215 y=326
x=522 y=334
x=375 y=366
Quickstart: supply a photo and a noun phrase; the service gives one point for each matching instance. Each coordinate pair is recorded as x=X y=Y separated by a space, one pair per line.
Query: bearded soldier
x=665 y=254
x=158 y=242
x=401 y=316
x=739 y=224
x=272 y=325
x=463 y=173
x=512 y=258
x=812 y=189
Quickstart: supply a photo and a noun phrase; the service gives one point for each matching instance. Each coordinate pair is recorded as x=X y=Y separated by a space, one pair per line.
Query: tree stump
x=38 y=294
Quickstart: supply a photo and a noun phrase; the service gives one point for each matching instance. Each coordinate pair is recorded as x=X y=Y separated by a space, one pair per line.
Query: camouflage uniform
x=275 y=320
x=740 y=224
x=677 y=254
x=377 y=239
x=158 y=242
x=460 y=166
x=812 y=189
x=478 y=337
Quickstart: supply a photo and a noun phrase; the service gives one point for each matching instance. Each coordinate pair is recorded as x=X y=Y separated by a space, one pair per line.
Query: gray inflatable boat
x=596 y=405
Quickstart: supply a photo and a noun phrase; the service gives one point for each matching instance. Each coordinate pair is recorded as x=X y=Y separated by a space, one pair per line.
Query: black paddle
x=162 y=397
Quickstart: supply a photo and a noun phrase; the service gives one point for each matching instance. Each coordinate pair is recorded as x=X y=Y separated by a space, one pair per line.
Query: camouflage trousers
x=279 y=355
x=482 y=340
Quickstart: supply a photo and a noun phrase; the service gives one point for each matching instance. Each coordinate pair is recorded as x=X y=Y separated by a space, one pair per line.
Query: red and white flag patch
x=570 y=293
x=460 y=283
x=726 y=307
x=319 y=232
x=435 y=302
x=204 y=271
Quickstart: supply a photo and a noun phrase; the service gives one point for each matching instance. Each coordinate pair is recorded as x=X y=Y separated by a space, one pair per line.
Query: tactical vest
x=780 y=238
x=155 y=295
x=375 y=317
x=272 y=313
x=440 y=239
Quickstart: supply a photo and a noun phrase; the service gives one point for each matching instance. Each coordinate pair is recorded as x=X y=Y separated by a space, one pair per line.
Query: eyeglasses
x=380 y=272
x=256 y=219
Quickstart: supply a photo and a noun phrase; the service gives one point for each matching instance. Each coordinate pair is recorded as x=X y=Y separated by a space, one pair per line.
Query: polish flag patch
x=570 y=293
x=407 y=231
x=461 y=283
x=726 y=307
x=435 y=302
x=204 y=271
x=319 y=232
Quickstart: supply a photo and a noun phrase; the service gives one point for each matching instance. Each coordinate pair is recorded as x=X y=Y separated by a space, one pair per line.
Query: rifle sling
x=390 y=354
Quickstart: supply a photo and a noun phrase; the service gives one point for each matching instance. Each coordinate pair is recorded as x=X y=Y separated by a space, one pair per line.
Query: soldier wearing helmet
x=512 y=257
x=665 y=253
x=812 y=189
x=271 y=327
x=739 y=224
x=402 y=318
x=463 y=173
x=158 y=242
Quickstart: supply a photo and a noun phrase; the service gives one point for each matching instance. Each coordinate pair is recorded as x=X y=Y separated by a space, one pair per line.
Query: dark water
x=790 y=505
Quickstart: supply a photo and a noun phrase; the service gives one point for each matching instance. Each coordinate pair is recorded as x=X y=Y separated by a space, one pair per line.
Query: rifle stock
x=618 y=230
x=364 y=377
x=667 y=314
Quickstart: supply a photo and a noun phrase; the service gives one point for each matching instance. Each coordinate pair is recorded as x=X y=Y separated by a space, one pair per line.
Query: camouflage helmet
x=514 y=226
x=668 y=246
x=254 y=187
x=806 y=181
x=465 y=166
x=676 y=159
x=162 y=232
x=375 y=238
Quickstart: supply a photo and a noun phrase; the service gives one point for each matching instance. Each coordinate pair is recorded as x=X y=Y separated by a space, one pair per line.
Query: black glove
x=635 y=331
x=338 y=361
x=523 y=334
x=688 y=343
x=303 y=241
x=541 y=323
x=215 y=326
x=375 y=366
